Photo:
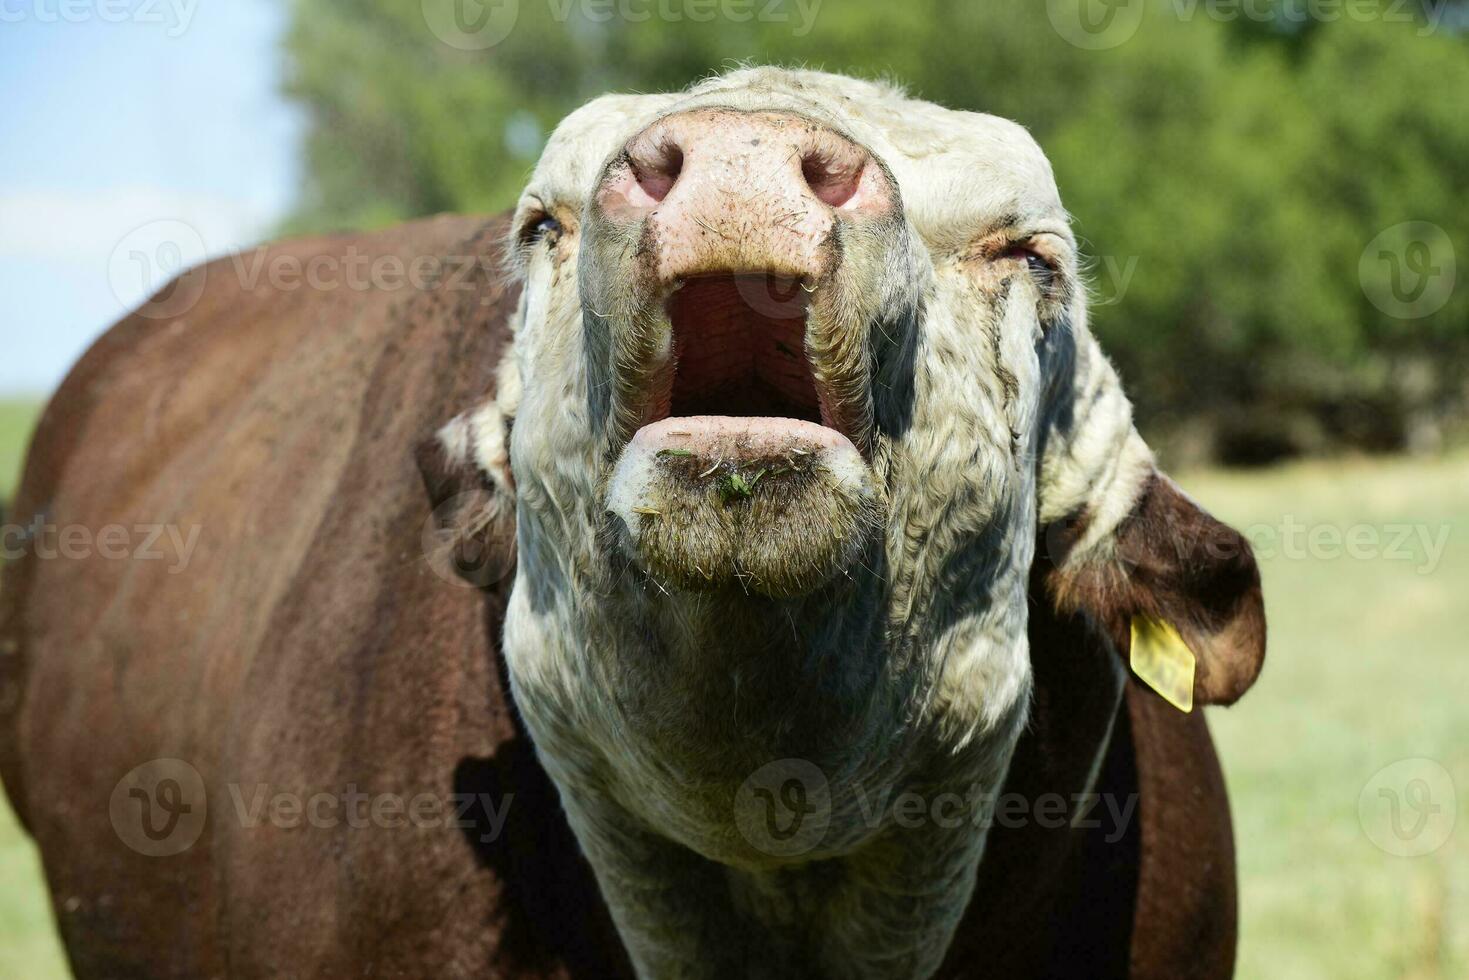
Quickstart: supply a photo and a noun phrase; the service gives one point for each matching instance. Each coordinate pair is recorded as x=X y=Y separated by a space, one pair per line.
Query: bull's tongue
x=775 y=506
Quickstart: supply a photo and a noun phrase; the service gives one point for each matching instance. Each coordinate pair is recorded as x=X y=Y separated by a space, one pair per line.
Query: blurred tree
x=1230 y=177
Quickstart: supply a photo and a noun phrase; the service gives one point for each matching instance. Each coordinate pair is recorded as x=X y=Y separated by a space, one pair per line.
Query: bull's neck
x=734 y=769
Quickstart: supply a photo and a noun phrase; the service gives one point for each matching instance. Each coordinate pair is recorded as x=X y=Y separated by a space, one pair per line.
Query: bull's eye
x=543 y=229
x=1041 y=270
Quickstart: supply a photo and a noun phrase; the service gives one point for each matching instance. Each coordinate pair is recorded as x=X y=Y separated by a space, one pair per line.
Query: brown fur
x=309 y=645
x=1157 y=902
x=1173 y=561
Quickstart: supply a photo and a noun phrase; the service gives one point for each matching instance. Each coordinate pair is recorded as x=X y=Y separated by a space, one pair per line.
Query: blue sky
x=114 y=135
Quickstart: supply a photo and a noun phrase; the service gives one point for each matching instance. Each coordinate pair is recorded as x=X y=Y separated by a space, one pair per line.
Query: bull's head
x=801 y=376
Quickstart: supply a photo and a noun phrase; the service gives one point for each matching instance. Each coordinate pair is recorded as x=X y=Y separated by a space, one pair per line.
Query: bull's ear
x=1167 y=561
x=466 y=470
x=1122 y=544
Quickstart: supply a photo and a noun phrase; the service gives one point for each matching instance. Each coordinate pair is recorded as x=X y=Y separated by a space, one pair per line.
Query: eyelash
x=1040 y=267
x=539 y=228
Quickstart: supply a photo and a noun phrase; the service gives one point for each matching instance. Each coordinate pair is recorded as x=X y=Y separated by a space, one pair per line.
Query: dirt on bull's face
x=776 y=507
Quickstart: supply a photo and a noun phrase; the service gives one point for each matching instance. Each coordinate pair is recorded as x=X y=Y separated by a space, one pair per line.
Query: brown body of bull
x=308 y=647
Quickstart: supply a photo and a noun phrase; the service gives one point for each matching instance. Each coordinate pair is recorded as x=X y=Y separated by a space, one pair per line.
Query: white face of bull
x=802 y=366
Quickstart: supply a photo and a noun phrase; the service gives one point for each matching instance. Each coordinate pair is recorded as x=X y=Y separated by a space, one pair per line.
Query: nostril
x=657 y=171
x=833 y=182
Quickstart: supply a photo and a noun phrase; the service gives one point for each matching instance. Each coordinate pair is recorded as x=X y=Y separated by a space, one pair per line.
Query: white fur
x=988 y=457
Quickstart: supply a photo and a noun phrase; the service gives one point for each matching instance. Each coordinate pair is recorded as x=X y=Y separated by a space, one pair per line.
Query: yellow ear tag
x=1163 y=661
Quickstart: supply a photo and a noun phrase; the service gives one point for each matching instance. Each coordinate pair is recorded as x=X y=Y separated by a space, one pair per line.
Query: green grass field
x=1367 y=667
x=17 y=417
x=1368 y=664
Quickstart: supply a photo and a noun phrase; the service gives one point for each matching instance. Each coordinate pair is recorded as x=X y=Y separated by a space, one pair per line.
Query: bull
x=785 y=526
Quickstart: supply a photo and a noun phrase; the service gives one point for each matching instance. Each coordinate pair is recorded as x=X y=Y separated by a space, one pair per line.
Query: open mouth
x=742 y=473
x=740 y=349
